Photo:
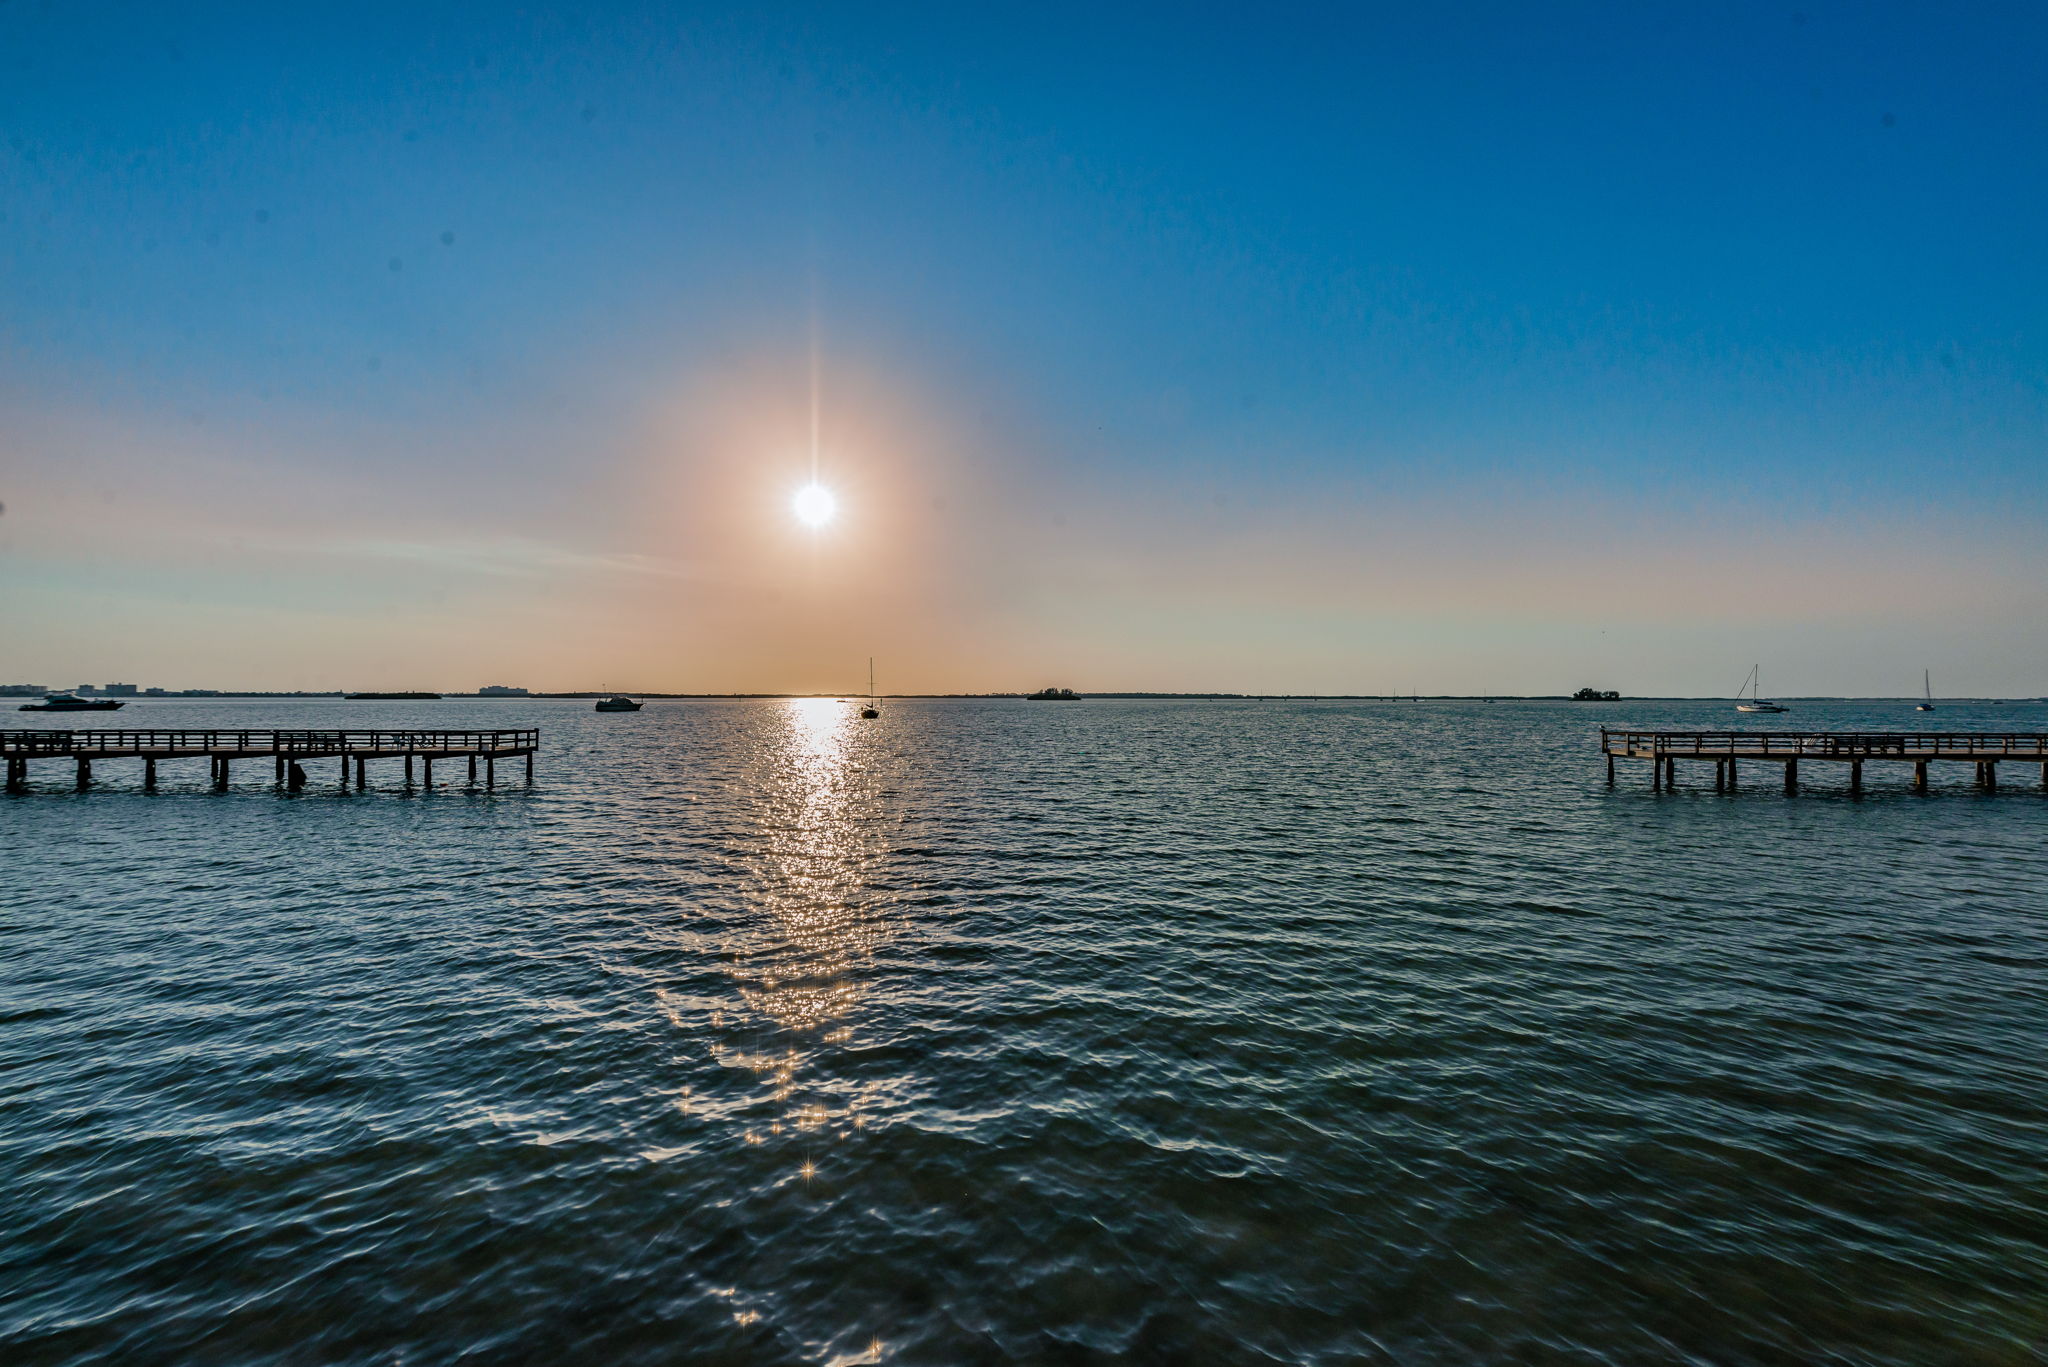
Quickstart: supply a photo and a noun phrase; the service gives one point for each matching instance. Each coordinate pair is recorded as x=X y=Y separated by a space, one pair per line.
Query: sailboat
x=870 y=710
x=1755 y=702
x=1927 y=691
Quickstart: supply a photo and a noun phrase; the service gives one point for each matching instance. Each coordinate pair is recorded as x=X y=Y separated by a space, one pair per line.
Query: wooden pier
x=289 y=752
x=1726 y=749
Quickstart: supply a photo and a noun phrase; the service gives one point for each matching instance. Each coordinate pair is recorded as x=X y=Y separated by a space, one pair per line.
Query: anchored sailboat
x=871 y=710
x=1926 y=691
x=1755 y=702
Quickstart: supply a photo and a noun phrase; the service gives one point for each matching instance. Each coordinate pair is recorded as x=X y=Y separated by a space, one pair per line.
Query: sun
x=814 y=505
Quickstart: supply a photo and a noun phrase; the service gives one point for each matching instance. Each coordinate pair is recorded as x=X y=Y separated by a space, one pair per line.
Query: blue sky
x=1493 y=347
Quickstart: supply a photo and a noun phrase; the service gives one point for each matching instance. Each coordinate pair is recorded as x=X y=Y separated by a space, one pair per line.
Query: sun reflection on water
x=812 y=915
x=800 y=966
x=818 y=928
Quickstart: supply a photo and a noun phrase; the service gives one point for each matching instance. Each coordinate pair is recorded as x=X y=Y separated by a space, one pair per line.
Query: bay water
x=1153 y=1031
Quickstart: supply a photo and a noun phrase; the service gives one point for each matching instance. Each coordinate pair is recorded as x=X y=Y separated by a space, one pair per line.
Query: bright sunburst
x=814 y=505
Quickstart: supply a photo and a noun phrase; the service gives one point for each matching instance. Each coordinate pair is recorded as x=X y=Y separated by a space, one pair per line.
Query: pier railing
x=111 y=742
x=1980 y=745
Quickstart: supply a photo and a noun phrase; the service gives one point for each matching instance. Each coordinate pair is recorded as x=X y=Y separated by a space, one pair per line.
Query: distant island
x=1596 y=695
x=1053 y=695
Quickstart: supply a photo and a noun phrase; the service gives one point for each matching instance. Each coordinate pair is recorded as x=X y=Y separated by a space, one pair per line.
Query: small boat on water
x=618 y=702
x=1755 y=702
x=1054 y=695
x=71 y=702
x=1926 y=691
x=870 y=710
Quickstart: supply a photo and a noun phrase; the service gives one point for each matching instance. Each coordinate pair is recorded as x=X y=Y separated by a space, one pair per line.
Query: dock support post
x=472 y=768
x=1610 y=769
x=529 y=768
x=17 y=772
x=1791 y=778
x=149 y=773
x=220 y=771
x=1731 y=775
x=1855 y=778
x=490 y=771
x=1720 y=775
x=360 y=785
x=1990 y=775
x=1919 y=775
x=279 y=765
x=2044 y=778
x=1656 y=773
x=427 y=762
x=344 y=773
x=408 y=770
x=84 y=773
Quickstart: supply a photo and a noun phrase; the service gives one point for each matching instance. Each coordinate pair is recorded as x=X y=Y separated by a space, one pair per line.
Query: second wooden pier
x=1725 y=749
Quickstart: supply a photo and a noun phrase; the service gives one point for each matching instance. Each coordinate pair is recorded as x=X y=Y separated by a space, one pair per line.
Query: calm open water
x=1162 y=1032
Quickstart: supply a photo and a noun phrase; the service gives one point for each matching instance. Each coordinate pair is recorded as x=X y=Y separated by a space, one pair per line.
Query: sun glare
x=815 y=505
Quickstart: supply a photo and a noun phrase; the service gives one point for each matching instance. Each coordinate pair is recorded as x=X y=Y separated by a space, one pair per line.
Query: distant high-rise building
x=119 y=690
x=22 y=690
